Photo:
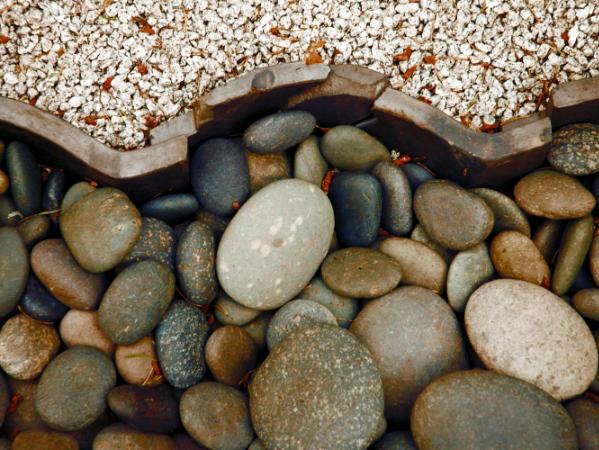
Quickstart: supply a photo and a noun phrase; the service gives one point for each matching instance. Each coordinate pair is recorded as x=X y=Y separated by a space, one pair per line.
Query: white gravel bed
x=115 y=68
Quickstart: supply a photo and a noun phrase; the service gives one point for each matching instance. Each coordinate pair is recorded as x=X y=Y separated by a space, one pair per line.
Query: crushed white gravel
x=115 y=68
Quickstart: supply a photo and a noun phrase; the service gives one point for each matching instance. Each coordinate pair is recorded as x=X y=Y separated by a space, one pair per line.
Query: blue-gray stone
x=416 y=174
x=172 y=208
x=349 y=148
x=157 y=242
x=278 y=132
x=343 y=308
x=53 y=191
x=39 y=304
x=14 y=269
x=397 y=216
x=25 y=178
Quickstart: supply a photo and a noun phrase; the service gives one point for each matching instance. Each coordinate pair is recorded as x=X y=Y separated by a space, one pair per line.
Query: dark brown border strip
x=576 y=101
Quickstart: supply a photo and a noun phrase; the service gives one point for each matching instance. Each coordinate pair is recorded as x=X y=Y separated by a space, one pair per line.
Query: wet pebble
x=585 y=414
x=230 y=354
x=25 y=178
x=397 y=198
x=416 y=174
x=39 y=304
x=575 y=149
x=136 y=363
x=75 y=193
x=14 y=269
x=516 y=256
x=82 y=328
x=586 y=302
x=547 y=237
x=419 y=234
x=229 y=312
x=265 y=169
x=120 y=436
x=349 y=148
x=53 y=194
x=343 y=308
x=46 y=439
x=309 y=164
x=257 y=329
x=278 y=132
x=170 y=208
x=508 y=216
x=156 y=242
x=34 y=229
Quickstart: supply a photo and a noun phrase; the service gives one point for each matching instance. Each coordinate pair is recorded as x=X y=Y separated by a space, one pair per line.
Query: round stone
x=357 y=199
x=14 y=269
x=585 y=414
x=46 y=439
x=397 y=198
x=349 y=148
x=257 y=329
x=420 y=265
x=575 y=149
x=75 y=193
x=137 y=363
x=516 y=256
x=230 y=354
x=72 y=391
x=219 y=176
x=217 y=416
x=452 y=216
x=148 y=409
x=318 y=388
x=360 y=272
x=309 y=164
x=428 y=328
x=34 y=229
x=157 y=242
x=180 y=339
x=266 y=169
x=586 y=302
x=343 y=308
x=171 y=208
x=285 y=230
x=278 y=132
x=508 y=216
x=25 y=178
x=396 y=440
x=547 y=238
x=101 y=228
x=229 y=312
x=553 y=195
x=195 y=263
x=480 y=409
x=416 y=174
x=26 y=347
x=136 y=301
x=546 y=343
x=293 y=315
x=82 y=328
x=418 y=234
x=121 y=436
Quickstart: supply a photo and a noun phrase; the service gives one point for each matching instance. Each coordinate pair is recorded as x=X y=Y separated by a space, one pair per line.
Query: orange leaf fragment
x=91 y=120
x=275 y=31
x=151 y=121
x=408 y=73
x=142 y=68
x=4 y=39
x=403 y=56
x=424 y=99
x=33 y=101
x=429 y=59
x=107 y=84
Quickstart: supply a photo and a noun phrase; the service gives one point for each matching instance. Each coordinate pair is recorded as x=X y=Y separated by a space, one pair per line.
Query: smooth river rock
x=349 y=148
x=309 y=164
x=285 y=230
x=508 y=216
x=594 y=260
x=547 y=238
x=157 y=242
x=120 y=436
x=397 y=216
x=229 y=312
x=266 y=169
x=419 y=234
x=137 y=363
x=46 y=439
x=396 y=440
x=586 y=302
x=14 y=269
x=514 y=255
x=171 y=208
x=230 y=354
x=343 y=308
x=575 y=149
x=34 y=229
x=278 y=132
x=318 y=389
x=523 y=330
x=452 y=216
x=25 y=178
x=82 y=328
x=585 y=414
x=75 y=193
x=258 y=327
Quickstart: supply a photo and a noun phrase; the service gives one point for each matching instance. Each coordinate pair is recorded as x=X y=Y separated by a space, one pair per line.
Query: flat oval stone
x=220 y=176
x=101 y=228
x=26 y=347
x=508 y=216
x=397 y=198
x=136 y=301
x=419 y=234
x=416 y=174
x=594 y=259
x=34 y=229
x=546 y=343
x=267 y=168
x=229 y=312
x=336 y=403
x=586 y=302
x=39 y=304
x=349 y=148
x=396 y=440
x=157 y=242
x=360 y=272
x=429 y=329
x=575 y=245
x=585 y=414
x=4 y=182
x=171 y=208
x=343 y=308
x=285 y=230
x=553 y=195
x=180 y=339
x=65 y=279
x=121 y=436
x=257 y=329
x=357 y=199
x=195 y=264
x=53 y=191
x=72 y=391
x=295 y=314
x=148 y=409
x=25 y=178
x=82 y=328
x=420 y=265
x=278 y=132
x=46 y=439
x=547 y=237
x=480 y=409
x=75 y=193
x=136 y=363
x=9 y=214
x=14 y=269
x=575 y=149
x=217 y=416
x=230 y=354
x=309 y=164
x=516 y=256
x=468 y=270
x=452 y=216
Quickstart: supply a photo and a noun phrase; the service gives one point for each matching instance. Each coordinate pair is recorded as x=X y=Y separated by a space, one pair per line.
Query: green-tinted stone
x=229 y=312
x=278 y=132
x=309 y=165
x=547 y=236
x=156 y=242
x=9 y=214
x=508 y=216
x=397 y=216
x=25 y=178
x=14 y=269
x=34 y=229
x=419 y=234
x=349 y=148
x=575 y=149
x=76 y=192
x=343 y=308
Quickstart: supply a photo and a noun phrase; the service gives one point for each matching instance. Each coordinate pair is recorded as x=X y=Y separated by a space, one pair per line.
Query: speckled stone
x=148 y=409
x=171 y=208
x=575 y=149
x=420 y=265
x=26 y=347
x=34 y=229
x=586 y=302
x=229 y=312
x=343 y=308
x=468 y=270
x=4 y=398
x=318 y=389
x=24 y=417
x=72 y=391
x=452 y=216
x=195 y=263
x=396 y=440
x=585 y=414
x=520 y=329
x=547 y=236
x=219 y=176
x=230 y=354
x=295 y=314
x=135 y=363
x=360 y=272
x=136 y=301
x=46 y=439
x=120 y=436
x=419 y=234
x=478 y=409
x=349 y=148
x=285 y=230
x=278 y=132
x=508 y=215
x=82 y=328
x=101 y=228
x=411 y=318
x=516 y=256
x=575 y=245
x=217 y=416
x=75 y=193
x=180 y=340
x=309 y=164
x=553 y=195
x=257 y=329
x=14 y=269
x=397 y=198
x=265 y=169
x=157 y=242
x=416 y=174
x=594 y=259
x=25 y=178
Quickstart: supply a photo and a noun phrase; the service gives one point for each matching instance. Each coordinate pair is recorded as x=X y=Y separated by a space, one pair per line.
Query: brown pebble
x=81 y=328
x=594 y=259
x=44 y=439
x=120 y=436
x=137 y=362
x=547 y=237
x=266 y=169
x=586 y=302
x=515 y=256
x=230 y=354
x=4 y=182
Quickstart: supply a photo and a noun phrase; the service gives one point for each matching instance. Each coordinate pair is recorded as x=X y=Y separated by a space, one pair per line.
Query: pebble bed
x=117 y=68
x=307 y=290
